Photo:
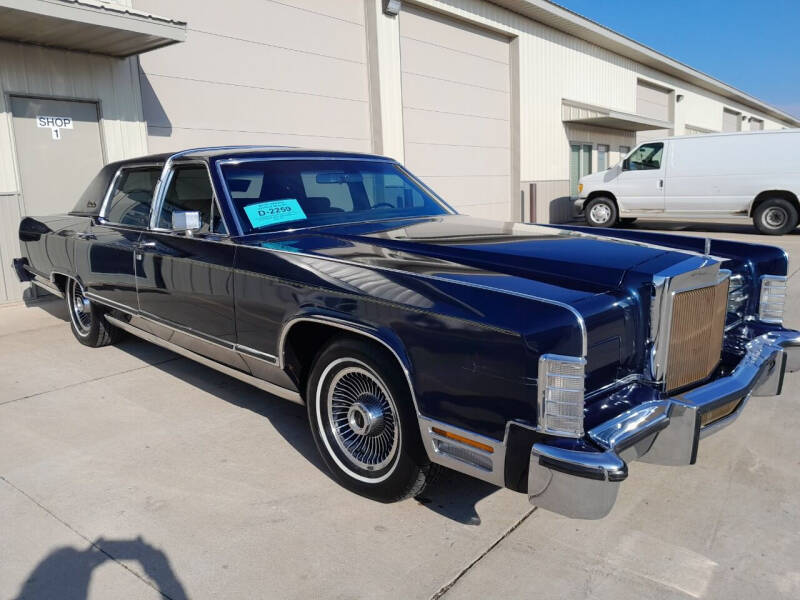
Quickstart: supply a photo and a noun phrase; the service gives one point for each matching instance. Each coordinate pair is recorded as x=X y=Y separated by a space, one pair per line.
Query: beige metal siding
x=254 y=72
x=36 y=71
x=456 y=111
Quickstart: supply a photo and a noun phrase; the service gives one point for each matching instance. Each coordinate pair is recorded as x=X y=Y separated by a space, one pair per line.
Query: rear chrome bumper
x=584 y=485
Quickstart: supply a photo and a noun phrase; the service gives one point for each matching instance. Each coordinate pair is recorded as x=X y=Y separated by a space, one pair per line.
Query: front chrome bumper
x=584 y=485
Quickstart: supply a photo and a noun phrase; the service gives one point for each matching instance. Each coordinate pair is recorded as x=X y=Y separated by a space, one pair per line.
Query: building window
x=580 y=164
x=602 y=157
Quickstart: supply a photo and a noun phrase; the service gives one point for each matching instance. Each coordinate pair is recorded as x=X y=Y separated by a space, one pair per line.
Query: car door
x=104 y=251
x=639 y=187
x=184 y=277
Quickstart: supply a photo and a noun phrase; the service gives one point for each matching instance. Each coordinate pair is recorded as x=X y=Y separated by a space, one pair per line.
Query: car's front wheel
x=601 y=212
x=86 y=318
x=364 y=423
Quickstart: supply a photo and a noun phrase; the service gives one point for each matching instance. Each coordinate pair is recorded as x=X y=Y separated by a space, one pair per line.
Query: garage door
x=730 y=120
x=654 y=102
x=456 y=111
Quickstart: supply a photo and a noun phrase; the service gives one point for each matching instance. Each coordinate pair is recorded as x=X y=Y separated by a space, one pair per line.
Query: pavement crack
x=447 y=586
x=100 y=378
x=83 y=537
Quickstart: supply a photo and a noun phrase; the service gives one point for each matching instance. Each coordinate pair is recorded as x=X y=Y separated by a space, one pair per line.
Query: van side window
x=646 y=157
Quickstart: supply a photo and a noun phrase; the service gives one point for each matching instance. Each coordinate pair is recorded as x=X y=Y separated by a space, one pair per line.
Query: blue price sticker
x=272 y=212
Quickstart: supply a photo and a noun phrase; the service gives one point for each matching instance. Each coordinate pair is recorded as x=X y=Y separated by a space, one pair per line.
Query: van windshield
x=287 y=194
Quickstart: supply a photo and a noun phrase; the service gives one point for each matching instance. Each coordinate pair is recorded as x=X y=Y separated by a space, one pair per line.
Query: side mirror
x=626 y=164
x=186 y=220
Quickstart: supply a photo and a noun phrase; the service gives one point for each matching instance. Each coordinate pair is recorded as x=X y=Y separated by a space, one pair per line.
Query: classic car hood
x=571 y=260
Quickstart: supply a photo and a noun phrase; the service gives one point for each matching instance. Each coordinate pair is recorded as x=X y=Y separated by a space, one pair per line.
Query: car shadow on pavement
x=705 y=227
x=66 y=572
x=456 y=496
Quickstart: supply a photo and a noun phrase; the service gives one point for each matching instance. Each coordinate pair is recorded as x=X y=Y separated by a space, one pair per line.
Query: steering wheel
x=386 y=204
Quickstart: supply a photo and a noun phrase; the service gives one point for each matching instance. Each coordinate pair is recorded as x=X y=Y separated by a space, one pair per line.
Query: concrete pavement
x=131 y=472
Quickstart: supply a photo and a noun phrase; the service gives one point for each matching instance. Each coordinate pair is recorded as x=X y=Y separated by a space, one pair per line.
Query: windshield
x=285 y=194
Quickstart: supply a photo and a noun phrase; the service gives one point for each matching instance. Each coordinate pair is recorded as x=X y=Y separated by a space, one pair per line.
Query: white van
x=753 y=175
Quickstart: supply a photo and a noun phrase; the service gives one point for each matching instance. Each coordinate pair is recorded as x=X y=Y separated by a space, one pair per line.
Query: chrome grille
x=696 y=333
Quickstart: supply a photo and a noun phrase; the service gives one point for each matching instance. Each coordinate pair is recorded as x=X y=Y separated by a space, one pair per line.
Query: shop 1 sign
x=54 y=124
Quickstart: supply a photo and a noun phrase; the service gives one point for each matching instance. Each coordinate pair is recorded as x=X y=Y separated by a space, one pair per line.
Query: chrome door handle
x=147 y=245
x=661 y=184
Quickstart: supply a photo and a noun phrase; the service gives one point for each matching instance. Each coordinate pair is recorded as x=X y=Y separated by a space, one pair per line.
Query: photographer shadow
x=66 y=572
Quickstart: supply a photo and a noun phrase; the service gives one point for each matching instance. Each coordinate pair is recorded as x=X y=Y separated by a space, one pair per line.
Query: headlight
x=772 y=299
x=737 y=297
x=561 y=388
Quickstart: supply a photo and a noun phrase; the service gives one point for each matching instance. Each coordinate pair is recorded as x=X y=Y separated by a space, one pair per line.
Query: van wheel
x=775 y=216
x=601 y=212
x=87 y=319
x=364 y=423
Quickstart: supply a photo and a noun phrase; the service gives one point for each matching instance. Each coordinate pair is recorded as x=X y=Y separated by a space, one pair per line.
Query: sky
x=752 y=46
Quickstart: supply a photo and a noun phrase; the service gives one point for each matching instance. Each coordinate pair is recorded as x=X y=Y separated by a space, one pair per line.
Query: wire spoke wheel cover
x=362 y=419
x=80 y=309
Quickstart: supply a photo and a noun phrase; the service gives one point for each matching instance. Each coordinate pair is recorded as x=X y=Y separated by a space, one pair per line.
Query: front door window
x=646 y=157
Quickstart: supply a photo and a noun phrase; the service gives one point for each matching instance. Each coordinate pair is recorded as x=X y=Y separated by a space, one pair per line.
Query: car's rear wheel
x=86 y=318
x=775 y=216
x=601 y=212
x=364 y=423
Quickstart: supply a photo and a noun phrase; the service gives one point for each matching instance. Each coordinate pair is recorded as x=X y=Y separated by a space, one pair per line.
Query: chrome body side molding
x=235 y=373
x=46 y=285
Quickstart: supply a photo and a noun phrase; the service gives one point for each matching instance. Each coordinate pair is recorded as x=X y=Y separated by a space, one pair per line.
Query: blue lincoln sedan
x=539 y=358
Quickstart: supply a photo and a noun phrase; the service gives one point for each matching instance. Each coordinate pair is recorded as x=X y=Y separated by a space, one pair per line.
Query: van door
x=640 y=183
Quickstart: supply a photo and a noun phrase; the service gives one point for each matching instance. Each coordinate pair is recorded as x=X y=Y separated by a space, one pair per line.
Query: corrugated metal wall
x=252 y=72
x=35 y=71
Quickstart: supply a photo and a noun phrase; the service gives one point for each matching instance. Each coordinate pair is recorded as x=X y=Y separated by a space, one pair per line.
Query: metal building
x=500 y=105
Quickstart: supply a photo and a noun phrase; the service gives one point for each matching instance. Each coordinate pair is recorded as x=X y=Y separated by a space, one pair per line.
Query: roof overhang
x=599 y=116
x=87 y=26
x=565 y=20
